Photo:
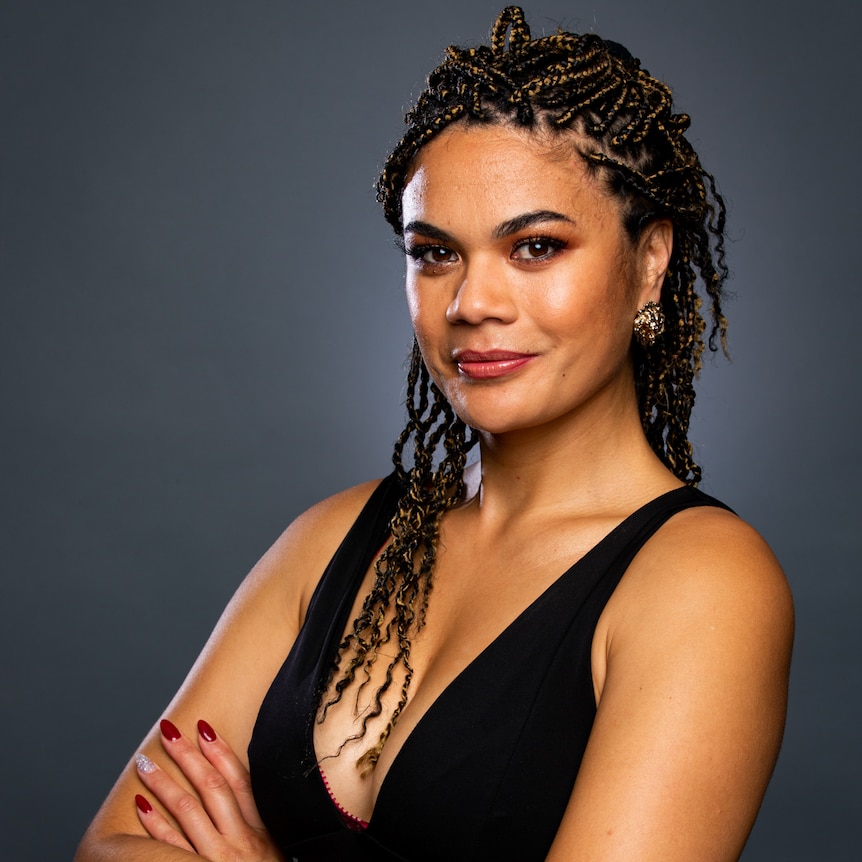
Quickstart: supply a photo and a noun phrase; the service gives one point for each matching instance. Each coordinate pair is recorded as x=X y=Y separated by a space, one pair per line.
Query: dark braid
x=630 y=135
x=402 y=586
x=627 y=134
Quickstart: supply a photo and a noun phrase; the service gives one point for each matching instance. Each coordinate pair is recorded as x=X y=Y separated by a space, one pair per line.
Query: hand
x=221 y=822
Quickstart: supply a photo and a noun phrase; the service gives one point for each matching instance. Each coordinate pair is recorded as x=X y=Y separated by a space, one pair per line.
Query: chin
x=490 y=415
x=498 y=421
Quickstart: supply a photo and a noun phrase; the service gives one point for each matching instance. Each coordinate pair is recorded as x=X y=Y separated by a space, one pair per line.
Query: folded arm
x=200 y=786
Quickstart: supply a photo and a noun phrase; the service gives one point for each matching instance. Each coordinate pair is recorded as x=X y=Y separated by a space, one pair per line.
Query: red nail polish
x=169 y=730
x=206 y=731
x=143 y=806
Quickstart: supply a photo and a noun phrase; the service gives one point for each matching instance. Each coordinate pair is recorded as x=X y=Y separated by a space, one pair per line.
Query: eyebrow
x=521 y=222
x=504 y=229
x=428 y=230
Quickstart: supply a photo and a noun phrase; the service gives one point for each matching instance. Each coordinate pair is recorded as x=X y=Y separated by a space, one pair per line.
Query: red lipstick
x=488 y=364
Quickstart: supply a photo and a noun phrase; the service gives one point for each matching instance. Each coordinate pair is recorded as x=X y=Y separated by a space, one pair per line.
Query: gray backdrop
x=202 y=332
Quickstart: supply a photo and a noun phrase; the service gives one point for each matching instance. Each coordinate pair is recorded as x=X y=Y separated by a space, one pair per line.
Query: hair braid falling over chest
x=630 y=137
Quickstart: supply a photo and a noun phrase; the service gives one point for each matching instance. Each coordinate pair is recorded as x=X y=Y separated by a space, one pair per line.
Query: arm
x=690 y=665
x=229 y=680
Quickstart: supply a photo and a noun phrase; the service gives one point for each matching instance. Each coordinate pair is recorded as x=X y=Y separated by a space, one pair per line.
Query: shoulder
x=264 y=617
x=299 y=556
x=242 y=656
x=271 y=601
x=690 y=666
x=326 y=522
x=711 y=552
x=705 y=575
x=269 y=607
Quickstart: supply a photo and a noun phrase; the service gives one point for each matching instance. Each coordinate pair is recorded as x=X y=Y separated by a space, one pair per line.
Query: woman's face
x=521 y=282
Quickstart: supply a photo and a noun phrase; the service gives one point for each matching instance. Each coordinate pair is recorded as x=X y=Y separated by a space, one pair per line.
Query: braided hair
x=627 y=134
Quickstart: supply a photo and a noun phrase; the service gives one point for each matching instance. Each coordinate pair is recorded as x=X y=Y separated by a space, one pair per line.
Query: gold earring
x=649 y=324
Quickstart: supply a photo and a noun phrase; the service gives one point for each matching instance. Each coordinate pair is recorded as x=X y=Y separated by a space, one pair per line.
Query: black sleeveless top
x=487 y=772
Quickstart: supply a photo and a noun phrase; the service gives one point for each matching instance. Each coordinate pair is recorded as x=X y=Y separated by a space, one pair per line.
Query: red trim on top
x=351 y=821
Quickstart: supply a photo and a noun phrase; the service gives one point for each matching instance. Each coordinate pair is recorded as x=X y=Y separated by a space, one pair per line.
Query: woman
x=555 y=222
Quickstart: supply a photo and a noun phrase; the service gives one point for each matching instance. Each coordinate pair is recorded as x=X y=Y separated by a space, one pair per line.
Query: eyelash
x=418 y=252
x=554 y=245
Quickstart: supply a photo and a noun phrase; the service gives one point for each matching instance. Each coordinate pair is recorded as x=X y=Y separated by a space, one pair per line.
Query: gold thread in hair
x=621 y=120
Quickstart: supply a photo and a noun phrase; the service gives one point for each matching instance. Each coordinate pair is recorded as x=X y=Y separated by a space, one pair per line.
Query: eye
x=537 y=248
x=431 y=255
x=437 y=254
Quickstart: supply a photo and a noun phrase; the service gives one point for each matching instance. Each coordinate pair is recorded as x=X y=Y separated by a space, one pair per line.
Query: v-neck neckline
x=441 y=697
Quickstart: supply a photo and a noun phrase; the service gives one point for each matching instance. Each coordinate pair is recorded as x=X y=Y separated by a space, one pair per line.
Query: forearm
x=128 y=848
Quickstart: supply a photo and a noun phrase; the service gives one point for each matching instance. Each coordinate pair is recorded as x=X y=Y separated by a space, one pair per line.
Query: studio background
x=202 y=332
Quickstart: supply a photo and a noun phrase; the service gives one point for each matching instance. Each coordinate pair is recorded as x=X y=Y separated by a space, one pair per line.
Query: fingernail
x=169 y=730
x=144 y=764
x=206 y=731
x=143 y=806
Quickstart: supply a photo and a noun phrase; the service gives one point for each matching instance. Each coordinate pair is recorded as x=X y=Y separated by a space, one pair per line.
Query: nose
x=483 y=294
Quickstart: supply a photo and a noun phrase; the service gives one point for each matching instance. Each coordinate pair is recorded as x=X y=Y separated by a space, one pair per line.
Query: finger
x=223 y=758
x=215 y=799
x=186 y=809
x=157 y=826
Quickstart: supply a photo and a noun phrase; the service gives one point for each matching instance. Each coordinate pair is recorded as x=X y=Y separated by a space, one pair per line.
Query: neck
x=602 y=460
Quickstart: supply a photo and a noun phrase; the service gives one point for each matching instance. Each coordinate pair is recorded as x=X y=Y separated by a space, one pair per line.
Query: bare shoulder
x=690 y=668
x=335 y=513
x=710 y=555
x=704 y=570
x=264 y=617
x=274 y=595
x=705 y=534
x=243 y=654
x=306 y=546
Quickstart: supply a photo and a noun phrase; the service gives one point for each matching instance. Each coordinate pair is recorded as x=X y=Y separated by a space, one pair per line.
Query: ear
x=654 y=249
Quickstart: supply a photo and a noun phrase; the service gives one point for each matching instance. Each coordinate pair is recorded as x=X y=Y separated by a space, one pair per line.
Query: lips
x=488 y=364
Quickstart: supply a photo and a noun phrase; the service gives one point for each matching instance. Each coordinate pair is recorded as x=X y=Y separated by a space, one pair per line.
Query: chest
x=483 y=760
x=480 y=591
x=491 y=750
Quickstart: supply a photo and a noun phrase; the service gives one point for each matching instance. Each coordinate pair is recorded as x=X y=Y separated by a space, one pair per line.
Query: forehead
x=492 y=173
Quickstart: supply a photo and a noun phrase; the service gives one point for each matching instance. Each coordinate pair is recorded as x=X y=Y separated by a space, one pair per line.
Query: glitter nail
x=144 y=764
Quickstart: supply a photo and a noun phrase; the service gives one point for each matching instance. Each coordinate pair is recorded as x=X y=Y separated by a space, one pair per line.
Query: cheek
x=427 y=334
x=415 y=306
x=596 y=303
x=426 y=305
x=428 y=326
x=560 y=299
x=564 y=303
